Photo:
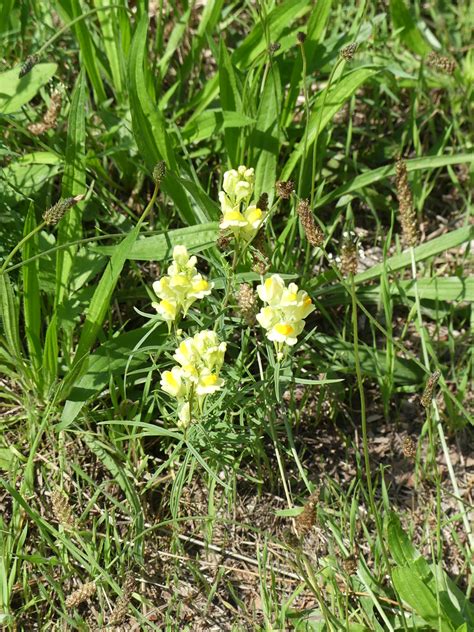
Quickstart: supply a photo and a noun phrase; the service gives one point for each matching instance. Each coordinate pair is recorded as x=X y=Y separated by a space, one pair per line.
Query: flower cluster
x=181 y=287
x=286 y=309
x=196 y=375
x=238 y=215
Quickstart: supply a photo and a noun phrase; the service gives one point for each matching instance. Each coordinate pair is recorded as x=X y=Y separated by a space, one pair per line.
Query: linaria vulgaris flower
x=283 y=316
x=196 y=375
x=181 y=287
x=238 y=216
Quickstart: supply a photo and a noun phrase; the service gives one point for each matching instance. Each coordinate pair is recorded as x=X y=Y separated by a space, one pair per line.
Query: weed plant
x=236 y=306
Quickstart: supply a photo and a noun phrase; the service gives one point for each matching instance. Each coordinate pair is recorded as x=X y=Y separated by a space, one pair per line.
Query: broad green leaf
x=51 y=352
x=160 y=247
x=31 y=294
x=111 y=358
x=335 y=99
x=419 y=591
x=433 y=289
x=9 y=313
x=373 y=361
x=174 y=41
x=16 y=92
x=26 y=176
x=149 y=128
x=109 y=26
x=282 y=18
x=266 y=142
x=230 y=91
x=71 y=9
x=211 y=122
x=409 y=34
x=416 y=164
x=98 y=307
x=422 y=252
x=73 y=183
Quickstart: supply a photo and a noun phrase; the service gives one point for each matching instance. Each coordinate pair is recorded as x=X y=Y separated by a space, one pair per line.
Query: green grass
x=314 y=492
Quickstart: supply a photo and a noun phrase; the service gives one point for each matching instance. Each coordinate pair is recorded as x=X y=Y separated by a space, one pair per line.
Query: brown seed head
x=54 y=214
x=349 y=254
x=307 y=518
x=409 y=448
x=274 y=47
x=51 y=116
x=408 y=218
x=159 y=172
x=80 y=595
x=262 y=203
x=350 y=565
x=301 y=37
x=285 y=189
x=348 y=52
x=30 y=62
x=441 y=63
x=247 y=303
x=429 y=388
x=121 y=607
x=313 y=233
x=62 y=510
x=223 y=242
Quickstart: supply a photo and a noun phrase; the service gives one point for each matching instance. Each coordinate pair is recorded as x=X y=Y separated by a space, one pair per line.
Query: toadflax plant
x=283 y=316
x=241 y=219
x=196 y=375
x=181 y=287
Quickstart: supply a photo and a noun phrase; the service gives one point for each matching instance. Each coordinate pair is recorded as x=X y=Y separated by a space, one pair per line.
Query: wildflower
x=196 y=375
x=238 y=216
x=283 y=316
x=181 y=287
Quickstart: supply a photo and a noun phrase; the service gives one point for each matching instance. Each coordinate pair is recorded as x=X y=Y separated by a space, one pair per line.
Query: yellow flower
x=271 y=291
x=181 y=287
x=243 y=220
x=172 y=382
x=283 y=317
x=199 y=359
x=286 y=332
